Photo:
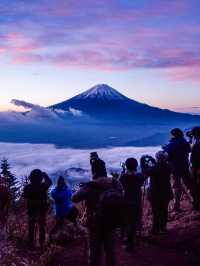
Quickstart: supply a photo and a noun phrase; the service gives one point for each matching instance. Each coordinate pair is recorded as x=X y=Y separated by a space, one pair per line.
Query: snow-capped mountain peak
x=101 y=91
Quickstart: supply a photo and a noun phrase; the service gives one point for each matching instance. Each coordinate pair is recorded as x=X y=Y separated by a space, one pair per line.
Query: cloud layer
x=36 y=113
x=26 y=157
x=106 y=35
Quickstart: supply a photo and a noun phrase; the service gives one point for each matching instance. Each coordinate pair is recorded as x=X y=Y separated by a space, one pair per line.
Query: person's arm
x=47 y=181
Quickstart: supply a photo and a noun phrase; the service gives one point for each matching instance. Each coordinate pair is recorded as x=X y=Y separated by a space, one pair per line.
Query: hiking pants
x=101 y=240
x=178 y=177
x=160 y=215
x=33 y=221
x=134 y=214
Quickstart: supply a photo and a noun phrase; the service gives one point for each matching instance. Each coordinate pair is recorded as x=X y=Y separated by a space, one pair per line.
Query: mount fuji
x=104 y=103
x=97 y=118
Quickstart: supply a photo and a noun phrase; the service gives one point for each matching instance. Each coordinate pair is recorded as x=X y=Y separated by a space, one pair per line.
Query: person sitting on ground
x=160 y=192
x=5 y=198
x=195 y=162
x=132 y=183
x=178 y=151
x=64 y=208
x=99 y=222
x=36 y=195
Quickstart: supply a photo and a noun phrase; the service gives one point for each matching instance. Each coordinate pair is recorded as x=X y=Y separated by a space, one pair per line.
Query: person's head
x=161 y=156
x=196 y=133
x=36 y=176
x=177 y=133
x=61 y=182
x=131 y=164
x=99 y=169
x=93 y=157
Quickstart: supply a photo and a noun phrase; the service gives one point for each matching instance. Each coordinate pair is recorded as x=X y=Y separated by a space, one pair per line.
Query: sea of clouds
x=26 y=157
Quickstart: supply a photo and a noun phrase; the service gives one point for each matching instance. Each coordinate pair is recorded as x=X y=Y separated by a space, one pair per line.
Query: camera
x=193 y=133
x=147 y=162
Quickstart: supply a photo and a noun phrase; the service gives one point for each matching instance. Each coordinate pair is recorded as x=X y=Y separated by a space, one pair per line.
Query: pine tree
x=10 y=179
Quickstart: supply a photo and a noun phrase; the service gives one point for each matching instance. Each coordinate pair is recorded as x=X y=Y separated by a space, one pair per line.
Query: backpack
x=111 y=208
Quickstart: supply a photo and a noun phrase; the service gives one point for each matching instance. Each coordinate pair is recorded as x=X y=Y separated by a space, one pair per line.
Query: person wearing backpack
x=35 y=194
x=100 y=195
x=195 y=162
x=64 y=208
x=178 y=151
x=132 y=183
x=160 y=191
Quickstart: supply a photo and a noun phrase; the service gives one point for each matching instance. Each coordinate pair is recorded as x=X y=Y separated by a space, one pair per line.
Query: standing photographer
x=132 y=182
x=195 y=162
x=178 y=150
x=36 y=195
x=160 y=191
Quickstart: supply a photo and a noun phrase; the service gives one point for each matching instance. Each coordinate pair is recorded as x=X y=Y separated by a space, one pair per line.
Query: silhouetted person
x=98 y=166
x=100 y=230
x=195 y=161
x=5 y=198
x=160 y=192
x=36 y=195
x=178 y=151
x=64 y=208
x=132 y=182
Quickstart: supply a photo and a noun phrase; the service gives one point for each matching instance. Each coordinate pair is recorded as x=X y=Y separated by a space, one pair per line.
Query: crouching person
x=101 y=196
x=160 y=192
x=64 y=208
x=36 y=195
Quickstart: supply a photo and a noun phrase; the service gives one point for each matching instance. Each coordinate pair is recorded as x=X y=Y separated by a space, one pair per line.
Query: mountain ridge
x=105 y=103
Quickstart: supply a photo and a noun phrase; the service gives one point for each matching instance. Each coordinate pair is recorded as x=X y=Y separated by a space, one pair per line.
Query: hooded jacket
x=178 y=150
x=62 y=197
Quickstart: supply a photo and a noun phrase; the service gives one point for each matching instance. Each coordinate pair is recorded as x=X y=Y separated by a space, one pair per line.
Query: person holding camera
x=99 y=194
x=160 y=191
x=35 y=194
x=178 y=151
x=132 y=183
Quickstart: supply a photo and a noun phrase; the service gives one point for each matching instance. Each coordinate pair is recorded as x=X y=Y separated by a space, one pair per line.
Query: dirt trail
x=145 y=255
x=180 y=246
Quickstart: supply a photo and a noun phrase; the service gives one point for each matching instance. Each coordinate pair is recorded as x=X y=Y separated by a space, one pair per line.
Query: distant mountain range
x=97 y=118
x=105 y=103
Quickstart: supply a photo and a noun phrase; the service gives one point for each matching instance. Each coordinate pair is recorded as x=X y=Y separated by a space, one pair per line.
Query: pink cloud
x=103 y=35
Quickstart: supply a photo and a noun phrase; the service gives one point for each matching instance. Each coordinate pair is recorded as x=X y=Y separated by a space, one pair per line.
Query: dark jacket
x=62 y=198
x=195 y=156
x=91 y=192
x=178 y=150
x=132 y=187
x=160 y=186
x=36 y=195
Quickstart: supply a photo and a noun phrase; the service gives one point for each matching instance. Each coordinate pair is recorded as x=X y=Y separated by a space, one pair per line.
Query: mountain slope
x=105 y=103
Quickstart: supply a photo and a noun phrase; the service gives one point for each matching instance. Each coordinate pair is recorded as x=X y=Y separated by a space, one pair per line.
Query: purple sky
x=148 y=49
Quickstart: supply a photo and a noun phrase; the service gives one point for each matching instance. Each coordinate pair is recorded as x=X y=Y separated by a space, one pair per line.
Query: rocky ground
x=180 y=245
